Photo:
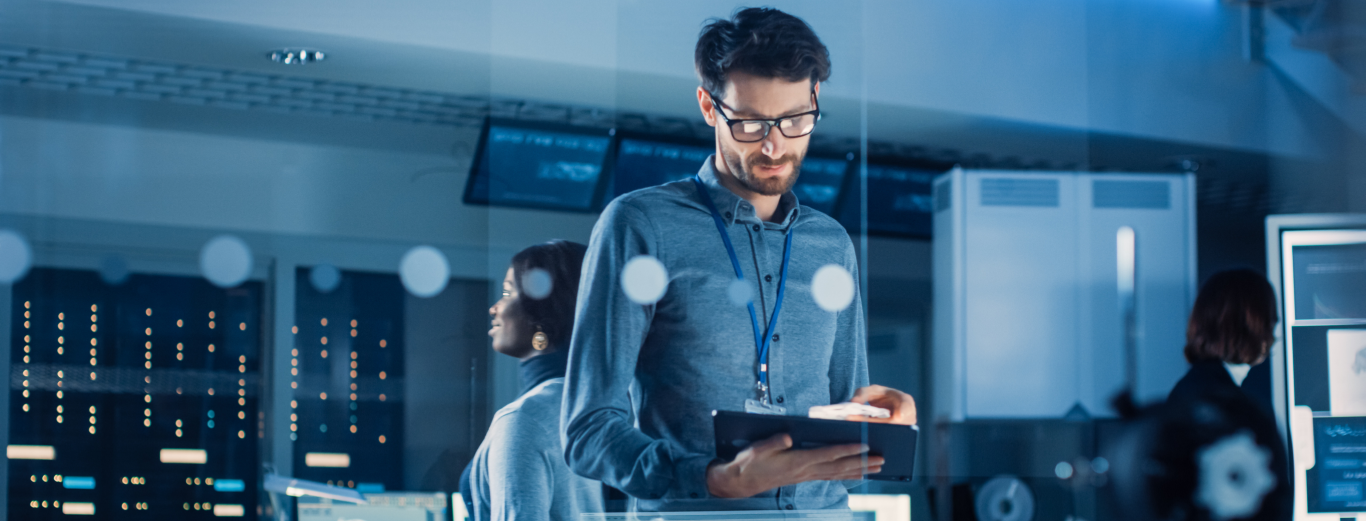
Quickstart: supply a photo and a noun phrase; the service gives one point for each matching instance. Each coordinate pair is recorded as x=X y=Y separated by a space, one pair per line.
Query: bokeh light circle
x=644 y=279
x=537 y=284
x=114 y=270
x=833 y=288
x=739 y=292
x=226 y=261
x=424 y=271
x=325 y=278
x=15 y=256
x=1063 y=470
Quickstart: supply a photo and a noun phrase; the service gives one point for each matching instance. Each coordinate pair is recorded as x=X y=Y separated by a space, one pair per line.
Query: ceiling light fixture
x=296 y=56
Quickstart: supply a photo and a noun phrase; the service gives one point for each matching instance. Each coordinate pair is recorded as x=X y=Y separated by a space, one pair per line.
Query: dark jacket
x=1204 y=378
x=1209 y=380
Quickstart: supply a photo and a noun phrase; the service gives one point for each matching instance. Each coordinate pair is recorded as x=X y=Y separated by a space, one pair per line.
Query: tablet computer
x=895 y=443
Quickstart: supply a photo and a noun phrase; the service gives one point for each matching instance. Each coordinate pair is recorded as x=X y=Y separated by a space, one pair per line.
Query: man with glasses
x=738 y=327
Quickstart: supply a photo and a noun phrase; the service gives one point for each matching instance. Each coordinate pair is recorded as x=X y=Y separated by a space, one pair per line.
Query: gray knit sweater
x=519 y=471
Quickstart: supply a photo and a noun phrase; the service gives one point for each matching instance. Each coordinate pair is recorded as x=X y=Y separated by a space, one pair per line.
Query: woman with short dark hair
x=1231 y=329
x=519 y=472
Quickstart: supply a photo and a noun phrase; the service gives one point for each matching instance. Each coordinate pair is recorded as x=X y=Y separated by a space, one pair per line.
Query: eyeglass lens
x=795 y=126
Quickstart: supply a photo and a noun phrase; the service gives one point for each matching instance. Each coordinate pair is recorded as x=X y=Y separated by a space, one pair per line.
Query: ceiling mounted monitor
x=821 y=181
x=643 y=162
x=536 y=165
x=900 y=200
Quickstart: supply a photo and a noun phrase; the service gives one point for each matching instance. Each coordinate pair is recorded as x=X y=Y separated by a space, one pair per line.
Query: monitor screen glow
x=527 y=167
x=1324 y=277
x=900 y=201
x=643 y=163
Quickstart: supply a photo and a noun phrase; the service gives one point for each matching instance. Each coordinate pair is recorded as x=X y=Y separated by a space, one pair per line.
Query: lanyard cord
x=761 y=338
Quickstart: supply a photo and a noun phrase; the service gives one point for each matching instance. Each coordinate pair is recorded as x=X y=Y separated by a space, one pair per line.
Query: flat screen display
x=900 y=201
x=528 y=167
x=1324 y=277
x=385 y=506
x=820 y=182
x=643 y=163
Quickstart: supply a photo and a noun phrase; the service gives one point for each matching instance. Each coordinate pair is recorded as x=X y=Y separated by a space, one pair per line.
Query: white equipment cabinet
x=1027 y=300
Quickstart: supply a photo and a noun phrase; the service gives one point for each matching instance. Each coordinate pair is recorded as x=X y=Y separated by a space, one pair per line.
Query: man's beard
x=777 y=186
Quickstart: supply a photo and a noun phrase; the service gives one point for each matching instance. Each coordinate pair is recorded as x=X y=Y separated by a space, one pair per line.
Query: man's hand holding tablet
x=773 y=463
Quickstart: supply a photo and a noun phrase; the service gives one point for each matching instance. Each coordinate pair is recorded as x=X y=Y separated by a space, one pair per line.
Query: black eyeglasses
x=753 y=130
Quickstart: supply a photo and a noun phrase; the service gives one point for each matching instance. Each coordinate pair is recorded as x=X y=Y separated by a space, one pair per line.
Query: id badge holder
x=753 y=406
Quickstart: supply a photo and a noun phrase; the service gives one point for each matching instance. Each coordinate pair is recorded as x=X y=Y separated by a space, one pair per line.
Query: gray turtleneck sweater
x=519 y=471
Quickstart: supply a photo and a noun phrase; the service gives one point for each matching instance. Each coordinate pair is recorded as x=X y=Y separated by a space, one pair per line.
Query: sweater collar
x=537 y=369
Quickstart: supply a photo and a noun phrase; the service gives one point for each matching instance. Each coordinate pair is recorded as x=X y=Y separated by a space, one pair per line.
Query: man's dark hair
x=563 y=261
x=1233 y=320
x=760 y=41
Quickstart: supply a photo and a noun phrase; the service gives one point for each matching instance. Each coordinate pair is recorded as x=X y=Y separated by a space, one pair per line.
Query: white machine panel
x=1027 y=316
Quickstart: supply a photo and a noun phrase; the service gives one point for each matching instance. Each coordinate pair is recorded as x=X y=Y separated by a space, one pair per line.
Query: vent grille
x=150 y=81
x=145 y=80
x=1151 y=195
x=1012 y=191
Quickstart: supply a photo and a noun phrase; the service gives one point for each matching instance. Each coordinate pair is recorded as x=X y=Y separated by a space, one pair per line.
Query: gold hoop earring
x=540 y=341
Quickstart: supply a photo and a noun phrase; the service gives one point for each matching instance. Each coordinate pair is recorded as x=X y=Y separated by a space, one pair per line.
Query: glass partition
x=267 y=260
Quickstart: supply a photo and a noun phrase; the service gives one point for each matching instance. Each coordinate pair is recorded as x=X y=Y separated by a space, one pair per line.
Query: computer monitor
x=821 y=181
x=645 y=161
x=642 y=163
x=382 y=506
x=1318 y=263
x=535 y=165
x=900 y=200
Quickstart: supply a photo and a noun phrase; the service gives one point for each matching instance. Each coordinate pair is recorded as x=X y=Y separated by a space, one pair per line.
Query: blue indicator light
x=79 y=482
x=369 y=488
x=229 y=485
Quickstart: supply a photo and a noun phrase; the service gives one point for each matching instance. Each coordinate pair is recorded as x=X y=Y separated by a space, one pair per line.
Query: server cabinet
x=1027 y=299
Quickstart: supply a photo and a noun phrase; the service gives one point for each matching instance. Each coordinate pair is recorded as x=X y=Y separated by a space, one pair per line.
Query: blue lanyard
x=761 y=338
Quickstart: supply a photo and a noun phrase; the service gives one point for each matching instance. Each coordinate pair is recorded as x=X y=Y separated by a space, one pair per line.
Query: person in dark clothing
x=1231 y=330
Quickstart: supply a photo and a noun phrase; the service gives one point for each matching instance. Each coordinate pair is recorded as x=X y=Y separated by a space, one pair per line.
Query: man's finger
x=851 y=475
x=863 y=394
x=773 y=444
x=854 y=463
x=835 y=452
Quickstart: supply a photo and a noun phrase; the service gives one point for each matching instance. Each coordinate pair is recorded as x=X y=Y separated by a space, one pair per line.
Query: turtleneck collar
x=540 y=368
